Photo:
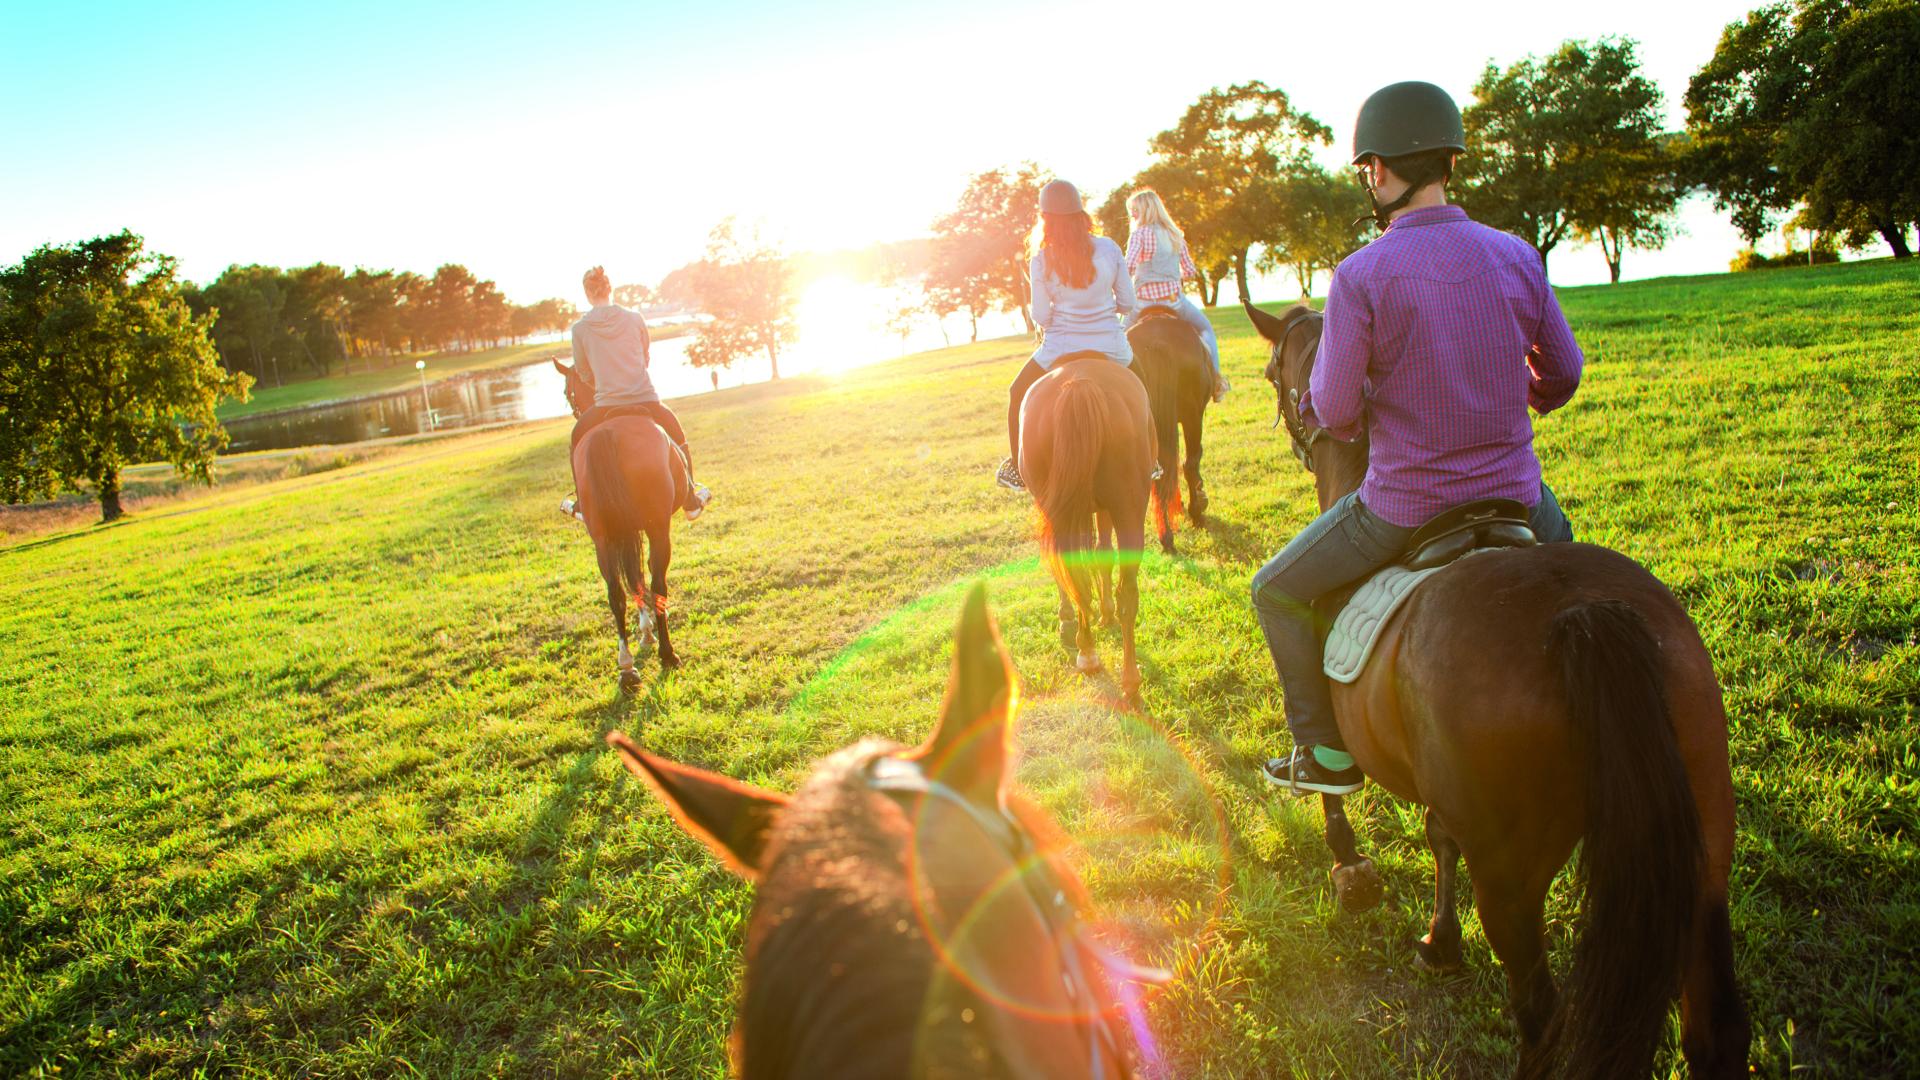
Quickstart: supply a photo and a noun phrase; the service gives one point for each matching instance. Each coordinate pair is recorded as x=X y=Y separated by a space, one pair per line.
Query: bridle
x=1302 y=436
x=903 y=780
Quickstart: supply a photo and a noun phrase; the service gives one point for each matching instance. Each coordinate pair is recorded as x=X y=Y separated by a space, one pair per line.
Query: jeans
x=1189 y=311
x=1343 y=545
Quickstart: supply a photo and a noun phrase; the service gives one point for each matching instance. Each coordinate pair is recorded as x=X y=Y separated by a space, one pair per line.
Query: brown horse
x=1172 y=363
x=1535 y=699
x=631 y=480
x=1087 y=451
x=913 y=918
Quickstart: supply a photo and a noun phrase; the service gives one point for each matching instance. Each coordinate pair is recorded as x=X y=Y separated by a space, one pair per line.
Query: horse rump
x=614 y=520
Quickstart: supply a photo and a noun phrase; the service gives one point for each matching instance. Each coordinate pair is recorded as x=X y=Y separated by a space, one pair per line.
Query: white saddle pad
x=1357 y=627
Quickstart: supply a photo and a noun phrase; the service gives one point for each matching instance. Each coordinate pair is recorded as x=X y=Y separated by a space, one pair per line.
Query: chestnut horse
x=1172 y=363
x=1535 y=699
x=1087 y=451
x=631 y=480
x=913 y=918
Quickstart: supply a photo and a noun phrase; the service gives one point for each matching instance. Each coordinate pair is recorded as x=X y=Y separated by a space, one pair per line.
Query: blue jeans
x=1194 y=317
x=1343 y=545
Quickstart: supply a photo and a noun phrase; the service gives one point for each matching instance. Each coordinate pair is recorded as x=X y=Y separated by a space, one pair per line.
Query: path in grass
x=312 y=782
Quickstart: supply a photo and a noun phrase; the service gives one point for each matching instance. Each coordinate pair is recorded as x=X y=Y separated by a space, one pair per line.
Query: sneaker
x=1009 y=476
x=1301 y=774
x=1220 y=387
x=1158 y=472
x=704 y=496
x=570 y=506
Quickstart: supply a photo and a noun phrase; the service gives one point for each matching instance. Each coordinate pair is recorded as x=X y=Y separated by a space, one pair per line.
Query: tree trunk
x=1026 y=316
x=1240 y=275
x=974 y=322
x=773 y=361
x=110 y=497
x=1896 y=238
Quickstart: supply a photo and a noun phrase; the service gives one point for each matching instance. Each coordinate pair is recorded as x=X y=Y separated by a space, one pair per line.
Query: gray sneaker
x=570 y=506
x=1008 y=476
x=701 y=493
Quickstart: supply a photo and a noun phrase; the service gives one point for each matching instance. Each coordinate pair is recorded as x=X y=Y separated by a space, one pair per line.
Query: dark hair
x=1066 y=248
x=1422 y=167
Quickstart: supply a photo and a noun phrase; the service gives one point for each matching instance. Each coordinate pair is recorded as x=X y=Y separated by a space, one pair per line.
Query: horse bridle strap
x=1302 y=436
x=902 y=779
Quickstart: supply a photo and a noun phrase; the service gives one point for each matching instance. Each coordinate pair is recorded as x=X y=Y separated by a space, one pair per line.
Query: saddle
x=1464 y=530
x=1156 y=311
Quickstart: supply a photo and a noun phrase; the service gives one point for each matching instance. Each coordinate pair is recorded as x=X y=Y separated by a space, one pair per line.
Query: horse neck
x=1339 y=469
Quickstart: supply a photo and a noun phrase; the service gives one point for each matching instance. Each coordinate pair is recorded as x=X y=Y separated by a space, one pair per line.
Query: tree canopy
x=1813 y=102
x=746 y=286
x=979 y=259
x=103 y=365
x=1570 y=146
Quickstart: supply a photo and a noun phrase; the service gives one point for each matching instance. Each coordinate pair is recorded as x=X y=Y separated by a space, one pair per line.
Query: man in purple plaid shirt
x=1438 y=336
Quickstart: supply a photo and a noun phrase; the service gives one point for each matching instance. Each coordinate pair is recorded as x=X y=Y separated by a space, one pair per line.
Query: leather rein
x=1302 y=436
x=903 y=780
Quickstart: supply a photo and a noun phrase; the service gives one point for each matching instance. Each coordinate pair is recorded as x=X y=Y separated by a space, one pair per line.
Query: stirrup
x=705 y=496
x=570 y=506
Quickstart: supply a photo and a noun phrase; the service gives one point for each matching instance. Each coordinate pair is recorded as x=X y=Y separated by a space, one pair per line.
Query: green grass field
x=310 y=781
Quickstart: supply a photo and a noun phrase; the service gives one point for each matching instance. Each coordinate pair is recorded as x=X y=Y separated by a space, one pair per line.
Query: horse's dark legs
x=1510 y=913
x=1356 y=884
x=1714 y=1031
x=609 y=558
x=659 y=554
x=1440 y=949
x=1196 y=493
x=1104 y=547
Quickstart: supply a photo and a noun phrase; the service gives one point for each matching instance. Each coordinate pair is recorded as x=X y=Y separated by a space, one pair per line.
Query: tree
x=102 y=365
x=1631 y=203
x=250 y=301
x=980 y=247
x=1554 y=147
x=1314 y=229
x=745 y=285
x=1223 y=165
x=1813 y=102
x=633 y=296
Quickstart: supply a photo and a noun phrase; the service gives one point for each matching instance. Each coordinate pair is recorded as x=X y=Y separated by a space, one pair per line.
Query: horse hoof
x=669 y=661
x=1430 y=957
x=1358 y=886
x=1087 y=663
x=629 y=680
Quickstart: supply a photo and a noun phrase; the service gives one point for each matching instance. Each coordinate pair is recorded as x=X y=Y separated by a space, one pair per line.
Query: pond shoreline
x=414 y=388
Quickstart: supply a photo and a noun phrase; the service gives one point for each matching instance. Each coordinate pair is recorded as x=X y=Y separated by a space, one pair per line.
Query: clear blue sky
x=531 y=140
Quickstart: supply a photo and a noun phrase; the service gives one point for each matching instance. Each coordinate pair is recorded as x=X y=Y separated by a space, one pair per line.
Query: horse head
x=1293 y=343
x=912 y=912
x=577 y=387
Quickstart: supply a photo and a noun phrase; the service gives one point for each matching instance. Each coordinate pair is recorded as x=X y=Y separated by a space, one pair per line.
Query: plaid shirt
x=1141 y=245
x=1438 y=336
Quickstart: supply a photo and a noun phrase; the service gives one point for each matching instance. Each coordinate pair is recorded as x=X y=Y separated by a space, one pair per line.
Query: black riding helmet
x=1406 y=118
x=1402 y=119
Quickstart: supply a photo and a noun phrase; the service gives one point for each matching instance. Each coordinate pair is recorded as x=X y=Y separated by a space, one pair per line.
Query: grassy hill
x=306 y=778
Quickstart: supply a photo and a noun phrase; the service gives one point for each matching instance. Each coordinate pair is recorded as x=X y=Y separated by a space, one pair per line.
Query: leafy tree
x=1567 y=144
x=746 y=286
x=633 y=296
x=1631 y=201
x=1813 y=102
x=1314 y=226
x=315 y=315
x=102 y=365
x=373 y=299
x=980 y=247
x=446 y=308
x=250 y=302
x=1222 y=168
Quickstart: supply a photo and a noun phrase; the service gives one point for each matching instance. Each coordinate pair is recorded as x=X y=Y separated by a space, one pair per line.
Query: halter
x=1302 y=436
x=902 y=780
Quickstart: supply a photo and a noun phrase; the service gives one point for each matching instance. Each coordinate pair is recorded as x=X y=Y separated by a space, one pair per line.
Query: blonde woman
x=1158 y=260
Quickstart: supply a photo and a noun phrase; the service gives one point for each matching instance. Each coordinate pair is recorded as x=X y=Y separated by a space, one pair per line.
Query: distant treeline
x=273 y=322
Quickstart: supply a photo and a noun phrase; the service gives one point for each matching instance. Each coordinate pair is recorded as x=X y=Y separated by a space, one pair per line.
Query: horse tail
x=1162 y=371
x=1065 y=493
x=1641 y=858
x=613 y=518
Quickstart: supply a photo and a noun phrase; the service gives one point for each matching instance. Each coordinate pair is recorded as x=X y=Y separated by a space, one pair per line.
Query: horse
x=913 y=915
x=1173 y=364
x=630 y=480
x=1535 y=698
x=1087 y=452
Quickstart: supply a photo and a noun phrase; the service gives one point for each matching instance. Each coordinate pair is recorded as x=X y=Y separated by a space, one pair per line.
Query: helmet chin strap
x=1382 y=215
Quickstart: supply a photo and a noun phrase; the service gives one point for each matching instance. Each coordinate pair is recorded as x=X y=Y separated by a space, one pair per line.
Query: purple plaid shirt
x=1438 y=336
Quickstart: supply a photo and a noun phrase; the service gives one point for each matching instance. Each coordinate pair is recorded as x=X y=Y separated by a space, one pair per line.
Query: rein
x=1302 y=436
x=902 y=780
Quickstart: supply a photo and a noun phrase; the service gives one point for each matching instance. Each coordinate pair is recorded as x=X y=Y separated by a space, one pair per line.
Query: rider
x=611 y=348
x=1080 y=293
x=1158 y=260
x=1438 y=335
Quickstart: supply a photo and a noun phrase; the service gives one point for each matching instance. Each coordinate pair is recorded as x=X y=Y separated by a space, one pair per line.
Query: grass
x=307 y=778
x=398 y=373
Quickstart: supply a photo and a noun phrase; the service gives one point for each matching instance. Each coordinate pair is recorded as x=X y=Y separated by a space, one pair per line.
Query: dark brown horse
x=913 y=918
x=1086 y=451
x=630 y=480
x=1535 y=699
x=1173 y=364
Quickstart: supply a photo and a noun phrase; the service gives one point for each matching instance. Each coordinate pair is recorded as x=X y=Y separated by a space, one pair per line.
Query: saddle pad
x=1350 y=641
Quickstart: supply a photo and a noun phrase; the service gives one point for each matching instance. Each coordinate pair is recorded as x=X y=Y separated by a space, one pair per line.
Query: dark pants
x=1343 y=545
x=652 y=410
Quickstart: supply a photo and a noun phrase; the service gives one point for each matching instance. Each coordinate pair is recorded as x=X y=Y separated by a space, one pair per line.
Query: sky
x=529 y=141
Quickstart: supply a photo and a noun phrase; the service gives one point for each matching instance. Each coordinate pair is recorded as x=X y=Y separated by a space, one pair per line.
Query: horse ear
x=729 y=817
x=970 y=751
x=1270 y=327
x=562 y=368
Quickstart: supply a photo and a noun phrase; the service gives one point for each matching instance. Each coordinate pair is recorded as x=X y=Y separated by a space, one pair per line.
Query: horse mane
x=841 y=978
